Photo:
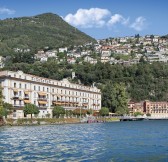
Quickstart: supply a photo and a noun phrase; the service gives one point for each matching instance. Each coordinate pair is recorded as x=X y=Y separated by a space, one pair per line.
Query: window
x=34 y=87
x=15 y=85
x=39 y=88
x=14 y=102
x=20 y=93
x=47 y=89
x=43 y=88
x=25 y=86
x=20 y=86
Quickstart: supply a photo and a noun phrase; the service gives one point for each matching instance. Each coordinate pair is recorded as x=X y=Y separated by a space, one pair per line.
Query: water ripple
x=121 y=141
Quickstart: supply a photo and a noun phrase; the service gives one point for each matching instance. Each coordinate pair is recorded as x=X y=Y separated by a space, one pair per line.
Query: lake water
x=117 y=141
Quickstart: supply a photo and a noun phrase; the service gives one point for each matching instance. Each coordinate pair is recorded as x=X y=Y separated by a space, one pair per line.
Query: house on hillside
x=2 y=59
x=65 y=49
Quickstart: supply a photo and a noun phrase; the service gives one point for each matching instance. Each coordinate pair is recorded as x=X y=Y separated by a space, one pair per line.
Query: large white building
x=19 y=89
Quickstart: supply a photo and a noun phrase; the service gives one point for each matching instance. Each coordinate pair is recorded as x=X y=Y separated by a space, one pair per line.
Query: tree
x=90 y=111
x=104 y=111
x=115 y=98
x=57 y=111
x=120 y=99
x=2 y=113
x=30 y=109
x=138 y=114
x=8 y=108
x=79 y=111
x=142 y=59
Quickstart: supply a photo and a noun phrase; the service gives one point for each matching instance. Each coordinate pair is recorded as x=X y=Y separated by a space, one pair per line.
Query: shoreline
x=52 y=121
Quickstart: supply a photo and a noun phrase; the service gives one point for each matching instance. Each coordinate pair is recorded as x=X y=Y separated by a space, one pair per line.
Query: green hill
x=45 y=30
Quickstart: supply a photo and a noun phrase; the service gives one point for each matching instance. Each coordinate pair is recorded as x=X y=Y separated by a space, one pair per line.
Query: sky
x=98 y=18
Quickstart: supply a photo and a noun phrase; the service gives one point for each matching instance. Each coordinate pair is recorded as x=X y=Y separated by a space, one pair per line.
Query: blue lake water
x=117 y=141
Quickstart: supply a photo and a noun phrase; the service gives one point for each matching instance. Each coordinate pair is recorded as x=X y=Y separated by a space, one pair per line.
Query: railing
x=26 y=98
x=15 y=97
x=17 y=105
x=42 y=99
x=42 y=107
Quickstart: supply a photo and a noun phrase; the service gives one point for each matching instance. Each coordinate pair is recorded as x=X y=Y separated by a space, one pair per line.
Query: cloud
x=97 y=18
x=139 y=24
x=117 y=18
x=88 y=18
x=4 y=10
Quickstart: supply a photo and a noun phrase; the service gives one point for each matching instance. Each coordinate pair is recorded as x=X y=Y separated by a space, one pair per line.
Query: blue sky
x=98 y=18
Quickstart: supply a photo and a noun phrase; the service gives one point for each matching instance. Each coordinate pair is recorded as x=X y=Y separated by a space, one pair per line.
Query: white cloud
x=97 y=17
x=88 y=18
x=115 y=19
x=139 y=23
x=4 y=10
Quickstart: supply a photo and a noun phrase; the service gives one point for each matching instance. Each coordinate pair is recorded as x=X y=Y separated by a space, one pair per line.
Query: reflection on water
x=118 y=141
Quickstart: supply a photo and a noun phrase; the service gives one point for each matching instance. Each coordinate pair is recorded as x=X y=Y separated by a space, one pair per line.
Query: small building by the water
x=154 y=109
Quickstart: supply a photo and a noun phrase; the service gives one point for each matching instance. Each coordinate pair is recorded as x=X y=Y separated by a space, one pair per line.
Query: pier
x=131 y=118
x=139 y=118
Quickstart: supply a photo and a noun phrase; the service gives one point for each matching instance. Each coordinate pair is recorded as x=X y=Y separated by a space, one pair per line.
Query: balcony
x=26 y=97
x=18 y=106
x=42 y=107
x=15 y=97
x=42 y=99
x=85 y=104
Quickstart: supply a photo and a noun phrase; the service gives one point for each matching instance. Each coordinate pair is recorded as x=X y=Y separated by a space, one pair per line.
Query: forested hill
x=38 y=32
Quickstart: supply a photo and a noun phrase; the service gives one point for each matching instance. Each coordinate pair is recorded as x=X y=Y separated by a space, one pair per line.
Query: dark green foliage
x=45 y=30
x=148 y=114
x=115 y=98
x=57 y=111
x=2 y=111
x=104 y=111
x=137 y=114
x=30 y=109
x=8 y=109
x=142 y=81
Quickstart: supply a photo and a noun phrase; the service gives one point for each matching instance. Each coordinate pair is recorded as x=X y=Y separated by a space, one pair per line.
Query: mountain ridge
x=39 y=31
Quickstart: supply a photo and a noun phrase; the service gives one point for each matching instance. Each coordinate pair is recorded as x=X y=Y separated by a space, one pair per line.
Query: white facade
x=20 y=88
x=1 y=62
x=63 y=49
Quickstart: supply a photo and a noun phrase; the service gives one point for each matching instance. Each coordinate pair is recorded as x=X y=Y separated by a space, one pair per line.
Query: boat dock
x=139 y=118
x=131 y=118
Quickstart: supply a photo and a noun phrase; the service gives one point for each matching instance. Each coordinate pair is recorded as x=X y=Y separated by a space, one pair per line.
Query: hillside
x=45 y=30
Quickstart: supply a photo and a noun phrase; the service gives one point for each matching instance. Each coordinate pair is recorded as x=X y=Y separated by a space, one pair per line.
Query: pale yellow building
x=20 y=88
